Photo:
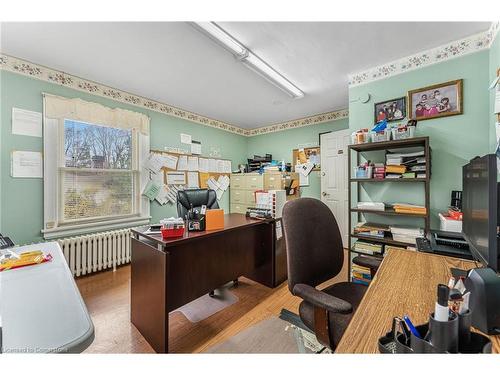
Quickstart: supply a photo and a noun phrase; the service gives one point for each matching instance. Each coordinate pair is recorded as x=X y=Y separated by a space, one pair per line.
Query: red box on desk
x=172 y=233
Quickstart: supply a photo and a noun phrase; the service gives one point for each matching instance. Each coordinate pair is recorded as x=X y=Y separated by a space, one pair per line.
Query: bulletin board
x=312 y=155
x=203 y=177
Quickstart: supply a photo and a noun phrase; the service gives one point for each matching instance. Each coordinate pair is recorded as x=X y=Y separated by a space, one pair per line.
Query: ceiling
x=173 y=63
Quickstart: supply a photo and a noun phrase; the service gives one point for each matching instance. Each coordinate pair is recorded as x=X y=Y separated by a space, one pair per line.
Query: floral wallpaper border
x=26 y=68
x=299 y=123
x=445 y=52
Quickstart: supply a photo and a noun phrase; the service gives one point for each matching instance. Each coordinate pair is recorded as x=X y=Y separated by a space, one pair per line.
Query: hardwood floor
x=107 y=296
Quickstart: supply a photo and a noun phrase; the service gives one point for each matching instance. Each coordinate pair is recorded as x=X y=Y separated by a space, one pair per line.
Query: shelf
x=387 y=145
x=384 y=240
x=388 y=180
x=388 y=211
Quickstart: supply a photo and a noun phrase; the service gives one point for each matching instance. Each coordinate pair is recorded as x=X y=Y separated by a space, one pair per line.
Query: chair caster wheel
x=235 y=283
x=211 y=293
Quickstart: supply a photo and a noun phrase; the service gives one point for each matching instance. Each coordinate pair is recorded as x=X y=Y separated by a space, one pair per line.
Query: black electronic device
x=484 y=287
x=480 y=209
x=6 y=242
x=456 y=199
x=444 y=243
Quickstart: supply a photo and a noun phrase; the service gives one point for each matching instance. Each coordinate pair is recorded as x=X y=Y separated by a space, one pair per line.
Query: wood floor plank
x=107 y=296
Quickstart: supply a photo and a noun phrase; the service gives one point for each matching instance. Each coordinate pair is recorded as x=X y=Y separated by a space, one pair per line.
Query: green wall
x=494 y=64
x=21 y=200
x=281 y=144
x=454 y=140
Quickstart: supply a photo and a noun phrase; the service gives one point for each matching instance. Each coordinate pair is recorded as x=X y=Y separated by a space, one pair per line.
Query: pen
x=411 y=327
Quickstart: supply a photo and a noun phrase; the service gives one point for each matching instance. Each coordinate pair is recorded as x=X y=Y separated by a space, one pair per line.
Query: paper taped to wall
x=26 y=164
x=26 y=122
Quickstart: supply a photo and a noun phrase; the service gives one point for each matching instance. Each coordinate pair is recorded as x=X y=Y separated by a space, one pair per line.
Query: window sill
x=79 y=229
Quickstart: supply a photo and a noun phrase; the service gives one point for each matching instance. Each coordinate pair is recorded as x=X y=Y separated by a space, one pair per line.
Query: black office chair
x=315 y=255
x=196 y=198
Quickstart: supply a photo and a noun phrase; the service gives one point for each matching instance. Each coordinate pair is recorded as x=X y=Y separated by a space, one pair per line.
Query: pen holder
x=464 y=333
x=444 y=335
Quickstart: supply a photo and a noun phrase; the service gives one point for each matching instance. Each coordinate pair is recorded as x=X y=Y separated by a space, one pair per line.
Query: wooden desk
x=404 y=284
x=167 y=274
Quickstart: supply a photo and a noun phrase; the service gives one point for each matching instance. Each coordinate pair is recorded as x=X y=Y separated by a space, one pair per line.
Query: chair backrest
x=313 y=242
x=196 y=198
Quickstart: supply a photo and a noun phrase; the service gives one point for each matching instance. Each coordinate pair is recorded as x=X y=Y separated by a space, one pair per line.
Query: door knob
x=324 y=194
x=323 y=174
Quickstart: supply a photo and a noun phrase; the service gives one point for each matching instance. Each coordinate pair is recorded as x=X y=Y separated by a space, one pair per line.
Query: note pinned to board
x=176 y=178
x=303 y=179
x=196 y=147
x=170 y=161
x=212 y=165
x=193 y=181
x=154 y=163
x=151 y=190
x=162 y=197
x=26 y=122
x=204 y=177
x=223 y=181
x=26 y=164
x=203 y=165
x=192 y=163
x=182 y=164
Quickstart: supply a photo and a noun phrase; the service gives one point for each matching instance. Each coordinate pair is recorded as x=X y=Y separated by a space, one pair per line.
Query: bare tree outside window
x=107 y=191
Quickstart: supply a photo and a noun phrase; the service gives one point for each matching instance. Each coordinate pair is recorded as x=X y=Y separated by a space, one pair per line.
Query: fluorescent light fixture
x=251 y=60
x=223 y=38
x=261 y=67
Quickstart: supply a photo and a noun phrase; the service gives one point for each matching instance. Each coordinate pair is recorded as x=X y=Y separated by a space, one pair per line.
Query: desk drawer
x=237 y=208
x=237 y=196
x=255 y=182
x=237 y=181
x=272 y=181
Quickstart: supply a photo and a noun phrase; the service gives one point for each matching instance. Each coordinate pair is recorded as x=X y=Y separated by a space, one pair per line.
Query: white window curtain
x=95 y=191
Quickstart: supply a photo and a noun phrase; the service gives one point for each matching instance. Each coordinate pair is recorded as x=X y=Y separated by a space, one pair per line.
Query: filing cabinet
x=243 y=187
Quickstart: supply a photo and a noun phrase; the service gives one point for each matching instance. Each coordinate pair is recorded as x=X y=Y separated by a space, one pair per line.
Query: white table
x=41 y=308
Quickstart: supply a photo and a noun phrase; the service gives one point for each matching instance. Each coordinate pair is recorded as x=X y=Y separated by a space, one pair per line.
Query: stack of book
x=406 y=208
x=368 y=248
x=371 y=230
x=406 y=165
x=375 y=206
x=379 y=170
x=406 y=234
x=360 y=275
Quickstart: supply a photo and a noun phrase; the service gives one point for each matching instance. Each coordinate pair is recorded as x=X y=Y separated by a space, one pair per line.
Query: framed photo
x=444 y=99
x=391 y=110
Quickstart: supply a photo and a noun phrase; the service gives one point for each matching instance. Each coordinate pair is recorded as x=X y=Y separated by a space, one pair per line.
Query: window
x=92 y=178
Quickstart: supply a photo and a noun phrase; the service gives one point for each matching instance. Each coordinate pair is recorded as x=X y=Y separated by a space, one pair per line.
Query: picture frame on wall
x=440 y=100
x=390 y=110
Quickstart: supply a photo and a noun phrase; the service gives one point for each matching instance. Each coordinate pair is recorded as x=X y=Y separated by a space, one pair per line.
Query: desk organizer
x=472 y=343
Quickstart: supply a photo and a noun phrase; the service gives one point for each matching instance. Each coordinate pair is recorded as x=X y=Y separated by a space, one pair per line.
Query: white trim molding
x=471 y=44
x=299 y=123
x=26 y=68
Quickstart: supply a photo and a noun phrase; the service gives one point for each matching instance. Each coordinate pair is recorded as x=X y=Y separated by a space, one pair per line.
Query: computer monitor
x=480 y=209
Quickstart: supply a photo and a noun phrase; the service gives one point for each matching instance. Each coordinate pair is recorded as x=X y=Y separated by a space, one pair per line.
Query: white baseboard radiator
x=96 y=252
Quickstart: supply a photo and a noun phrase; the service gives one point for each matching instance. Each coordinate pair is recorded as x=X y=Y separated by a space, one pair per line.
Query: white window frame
x=54 y=163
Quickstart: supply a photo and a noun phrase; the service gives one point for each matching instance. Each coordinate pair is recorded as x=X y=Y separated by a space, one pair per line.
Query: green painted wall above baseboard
x=454 y=140
x=281 y=145
x=21 y=200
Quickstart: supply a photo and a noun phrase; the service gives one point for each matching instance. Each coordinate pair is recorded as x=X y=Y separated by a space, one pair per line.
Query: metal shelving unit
x=420 y=142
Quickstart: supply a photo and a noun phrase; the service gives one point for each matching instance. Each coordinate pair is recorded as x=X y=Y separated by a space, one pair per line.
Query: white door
x=334 y=177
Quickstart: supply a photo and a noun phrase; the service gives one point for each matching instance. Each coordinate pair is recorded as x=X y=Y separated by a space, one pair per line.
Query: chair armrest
x=322 y=299
x=369 y=262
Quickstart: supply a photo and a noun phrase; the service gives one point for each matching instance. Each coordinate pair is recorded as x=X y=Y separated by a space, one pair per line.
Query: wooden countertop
x=231 y=222
x=404 y=284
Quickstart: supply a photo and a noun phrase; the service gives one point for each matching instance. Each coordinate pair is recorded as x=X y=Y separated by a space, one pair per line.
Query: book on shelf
x=418 y=168
x=404 y=158
x=395 y=169
x=374 y=206
x=360 y=275
x=393 y=175
x=406 y=234
x=409 y=208
x=371 y=230
x=408 y=175
x=368 y=248
x=379 y=176
x=421 y=175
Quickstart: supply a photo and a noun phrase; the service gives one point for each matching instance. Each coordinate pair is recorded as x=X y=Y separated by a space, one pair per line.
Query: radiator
x=95 y=252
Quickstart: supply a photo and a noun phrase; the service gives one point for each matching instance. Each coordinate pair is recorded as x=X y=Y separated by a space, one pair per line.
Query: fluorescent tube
x=223 y=38
x=261 y=67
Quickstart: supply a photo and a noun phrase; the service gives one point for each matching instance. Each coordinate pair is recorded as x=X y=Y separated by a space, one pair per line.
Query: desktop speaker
x=484 y=287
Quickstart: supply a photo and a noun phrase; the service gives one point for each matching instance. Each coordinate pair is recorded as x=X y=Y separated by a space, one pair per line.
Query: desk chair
x=196 y=198
x=315 y=255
